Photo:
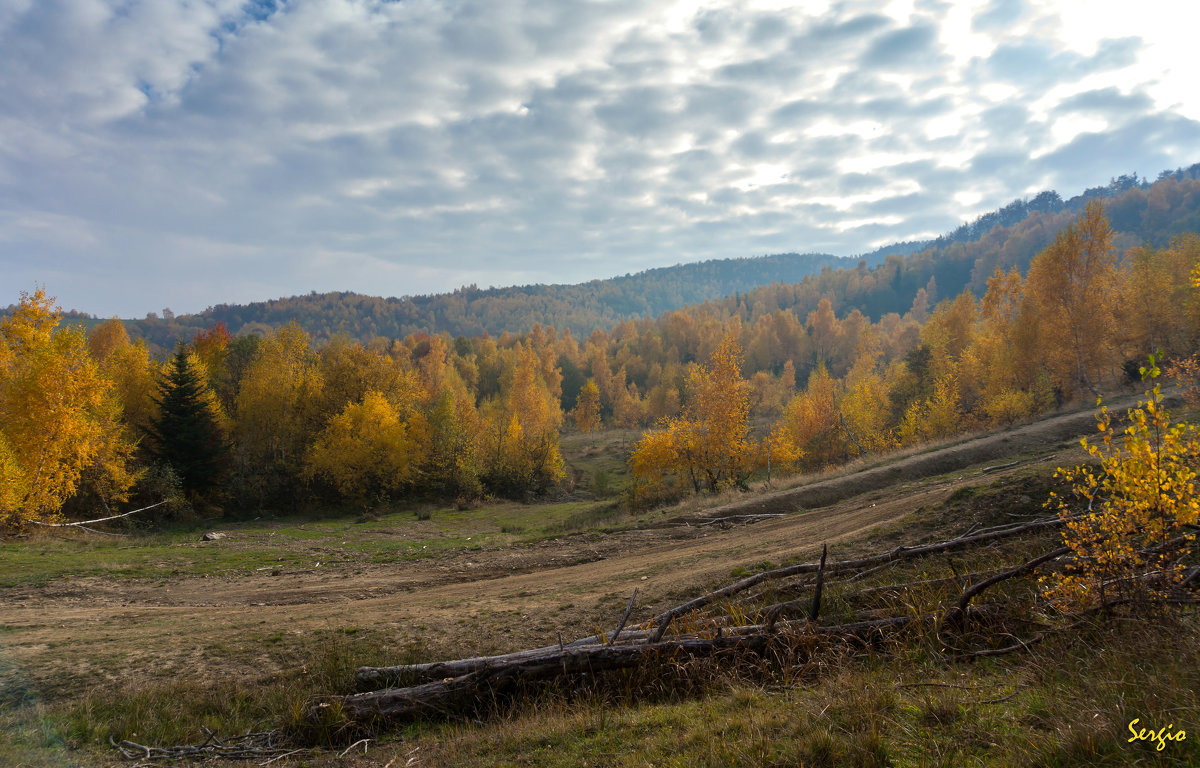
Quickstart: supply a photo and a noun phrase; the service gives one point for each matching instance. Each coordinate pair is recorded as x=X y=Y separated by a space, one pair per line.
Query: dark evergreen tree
x=572 y=381
x=187 y=434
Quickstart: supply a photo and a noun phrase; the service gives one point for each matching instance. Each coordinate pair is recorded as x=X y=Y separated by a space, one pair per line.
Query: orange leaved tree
x=59 y=419
x=1073 y=286
x=708 y=446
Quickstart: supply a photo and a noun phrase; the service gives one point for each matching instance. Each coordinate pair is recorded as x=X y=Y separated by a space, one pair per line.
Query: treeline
x=275 y=421
x=1140 y=216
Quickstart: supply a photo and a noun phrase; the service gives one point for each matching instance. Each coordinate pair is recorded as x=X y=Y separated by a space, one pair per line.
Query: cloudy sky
x=183 y=153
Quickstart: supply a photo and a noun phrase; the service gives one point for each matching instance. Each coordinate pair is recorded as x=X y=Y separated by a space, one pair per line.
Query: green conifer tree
x=187 y=433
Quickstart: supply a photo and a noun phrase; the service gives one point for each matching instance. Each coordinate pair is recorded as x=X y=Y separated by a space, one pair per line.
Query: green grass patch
x=292 y=543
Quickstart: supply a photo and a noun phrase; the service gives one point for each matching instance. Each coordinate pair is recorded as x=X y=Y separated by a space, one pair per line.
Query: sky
x=186 y=153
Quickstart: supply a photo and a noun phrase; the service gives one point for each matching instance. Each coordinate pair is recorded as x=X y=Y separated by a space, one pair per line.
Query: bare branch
x=664 y=618
x=624 y=619
x=1025 y=567
x=97 y=520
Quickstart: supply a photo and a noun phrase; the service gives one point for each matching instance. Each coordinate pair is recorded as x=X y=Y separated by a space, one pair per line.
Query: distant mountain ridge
x=1140 y=211
x=471 y=311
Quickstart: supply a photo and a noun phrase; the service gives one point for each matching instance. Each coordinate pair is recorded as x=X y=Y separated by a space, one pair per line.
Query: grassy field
x=155 y=637
x=383 y=536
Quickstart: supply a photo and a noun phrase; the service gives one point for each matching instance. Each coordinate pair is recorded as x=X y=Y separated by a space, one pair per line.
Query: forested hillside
x=1140 y=214
x=471 y=311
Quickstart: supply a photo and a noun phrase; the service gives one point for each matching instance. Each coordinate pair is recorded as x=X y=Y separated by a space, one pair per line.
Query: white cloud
x=162 y=152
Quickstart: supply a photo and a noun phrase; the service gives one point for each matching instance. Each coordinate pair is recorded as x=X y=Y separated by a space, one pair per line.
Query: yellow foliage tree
x=629 y=410
x=133 y=374
x=1008 y=406
x=1150 y=302
x=365 y=450
x=811 y=422
x=107 y=338
x=445 y=438
x=951 y=327
x=1073 y=286
x=447 y=428
x=663 y=461
x=59 y=419
x=1142 y=502
x=938 y=416
x=277 y=403
x=211 y=349
x=864 y=406
x=349 y=370
x=587 y=407
x=778 y=452
x=523 y=455
x=708 y=446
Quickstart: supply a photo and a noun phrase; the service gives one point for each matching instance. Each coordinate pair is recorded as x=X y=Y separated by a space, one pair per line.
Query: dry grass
x=1066 y=704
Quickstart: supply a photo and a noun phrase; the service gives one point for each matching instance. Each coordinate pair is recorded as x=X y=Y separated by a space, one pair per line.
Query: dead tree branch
x=970 y=592
x=729 y=518
x=97 y=520
x=663 y=619
x=250 y=745
x=625 y=618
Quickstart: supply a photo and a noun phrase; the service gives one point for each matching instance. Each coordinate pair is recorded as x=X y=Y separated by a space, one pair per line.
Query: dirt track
x=483 y=601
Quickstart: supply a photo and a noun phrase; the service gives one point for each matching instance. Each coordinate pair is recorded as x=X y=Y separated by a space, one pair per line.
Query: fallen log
x=81 y=523
x=466 y=679
x=970 y=592
x=441 y=670
x=374 y=676
x=998 y=467
x=760 y=516
x=899 y=553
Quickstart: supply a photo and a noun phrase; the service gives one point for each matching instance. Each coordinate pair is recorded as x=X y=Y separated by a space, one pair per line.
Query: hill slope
x=471 y=311
x=1140 y=214
x=882 y=281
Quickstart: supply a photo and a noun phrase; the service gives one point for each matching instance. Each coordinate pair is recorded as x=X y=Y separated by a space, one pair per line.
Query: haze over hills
x=1141 y=212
